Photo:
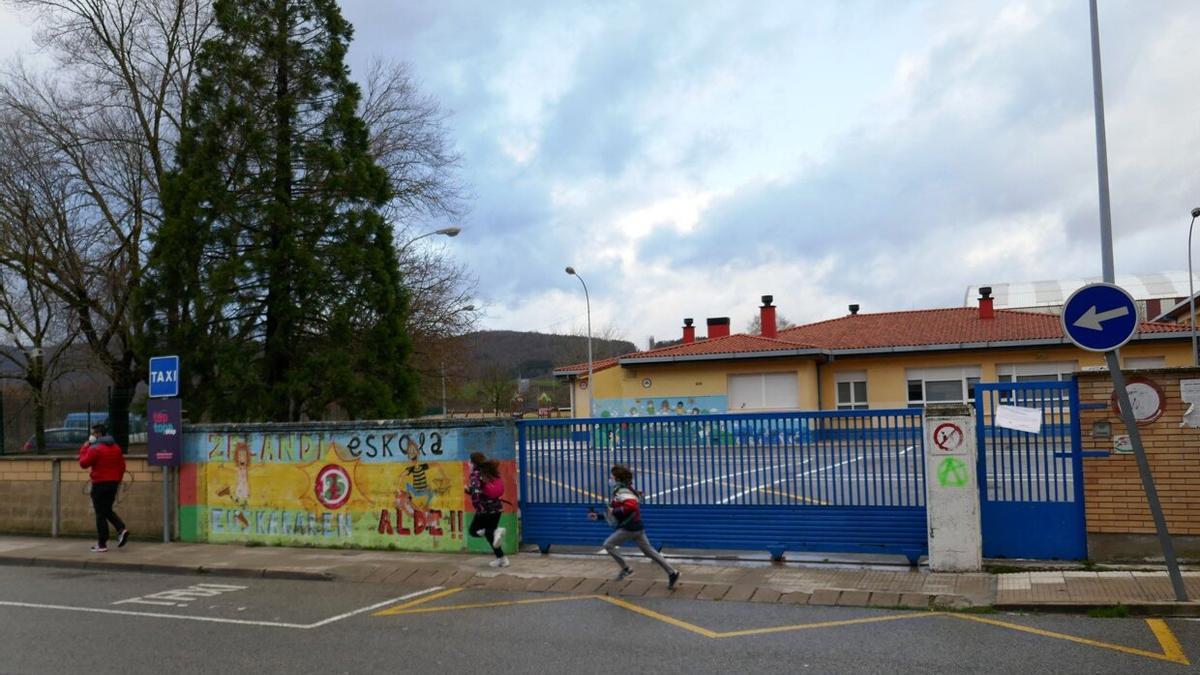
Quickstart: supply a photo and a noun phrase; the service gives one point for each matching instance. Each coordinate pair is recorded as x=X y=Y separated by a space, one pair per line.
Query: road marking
x=214 y=619
x=181 y=597
x=1172 y=650
x=572 y=488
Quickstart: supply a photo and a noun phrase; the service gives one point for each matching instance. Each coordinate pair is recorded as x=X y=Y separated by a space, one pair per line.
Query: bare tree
x=410 y=140
x=496 y=390
x=755 y=325
x=35 y=328
x=111 y=115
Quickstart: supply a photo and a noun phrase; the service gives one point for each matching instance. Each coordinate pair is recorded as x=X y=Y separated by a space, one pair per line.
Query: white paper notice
x=1189 y=391
x=1020 y=419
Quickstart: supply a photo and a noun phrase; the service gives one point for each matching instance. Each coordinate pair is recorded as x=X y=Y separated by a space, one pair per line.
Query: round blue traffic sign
x=1100 y=317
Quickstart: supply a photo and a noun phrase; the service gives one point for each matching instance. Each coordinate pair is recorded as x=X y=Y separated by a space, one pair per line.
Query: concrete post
x=952 y=494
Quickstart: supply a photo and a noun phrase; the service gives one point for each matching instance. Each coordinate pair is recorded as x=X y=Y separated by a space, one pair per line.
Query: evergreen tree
x=274 y=273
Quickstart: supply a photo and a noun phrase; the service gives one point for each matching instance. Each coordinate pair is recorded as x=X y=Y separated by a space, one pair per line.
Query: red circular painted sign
x=333 y=486
x=948 y=437
x=1147 y=398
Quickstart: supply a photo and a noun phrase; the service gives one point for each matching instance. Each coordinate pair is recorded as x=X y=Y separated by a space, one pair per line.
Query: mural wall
x=657 y=406
x=399 y=487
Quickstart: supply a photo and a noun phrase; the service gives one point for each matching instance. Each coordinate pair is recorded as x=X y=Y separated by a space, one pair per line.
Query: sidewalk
x=1144 y=593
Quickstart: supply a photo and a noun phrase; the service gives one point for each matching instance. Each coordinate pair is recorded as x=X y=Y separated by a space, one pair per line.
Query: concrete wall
x=27 y=496
x=1118 y=515
x=397 y=485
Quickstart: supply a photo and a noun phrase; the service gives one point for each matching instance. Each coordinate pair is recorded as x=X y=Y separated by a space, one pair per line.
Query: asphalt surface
x=67 y=621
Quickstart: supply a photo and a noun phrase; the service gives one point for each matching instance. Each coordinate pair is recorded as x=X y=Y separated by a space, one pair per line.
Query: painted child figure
x=486 y=489
x=624 y=514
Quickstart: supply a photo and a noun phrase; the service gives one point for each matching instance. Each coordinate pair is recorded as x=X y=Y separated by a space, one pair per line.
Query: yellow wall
x=887 y=384
x=690 y=379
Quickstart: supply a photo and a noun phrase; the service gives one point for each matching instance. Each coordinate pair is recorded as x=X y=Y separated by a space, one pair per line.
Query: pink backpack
x=493 y=489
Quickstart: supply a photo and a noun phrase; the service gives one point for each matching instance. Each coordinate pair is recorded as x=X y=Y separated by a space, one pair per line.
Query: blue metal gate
x=845 y=481
x=1031 y=485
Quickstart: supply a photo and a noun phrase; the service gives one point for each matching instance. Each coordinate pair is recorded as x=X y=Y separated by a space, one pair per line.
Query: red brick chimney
x=986 y=308
x=689 y=332
x=766 y=315
x=718 y=326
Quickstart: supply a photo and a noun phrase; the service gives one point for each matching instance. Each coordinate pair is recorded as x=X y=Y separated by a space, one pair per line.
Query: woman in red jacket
x=103 y=456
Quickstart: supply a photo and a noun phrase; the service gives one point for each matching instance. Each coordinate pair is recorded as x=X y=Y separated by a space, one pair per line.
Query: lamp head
x=449 y=231
x=1196 y=212
x=570 y=270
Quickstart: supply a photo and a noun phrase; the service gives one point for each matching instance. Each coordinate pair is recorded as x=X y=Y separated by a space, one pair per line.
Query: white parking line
x=214 y=619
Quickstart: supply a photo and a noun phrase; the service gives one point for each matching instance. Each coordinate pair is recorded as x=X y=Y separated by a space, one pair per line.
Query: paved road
x=56 y=621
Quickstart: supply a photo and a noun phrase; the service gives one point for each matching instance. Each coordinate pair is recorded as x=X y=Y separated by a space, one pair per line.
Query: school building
x=860 y=361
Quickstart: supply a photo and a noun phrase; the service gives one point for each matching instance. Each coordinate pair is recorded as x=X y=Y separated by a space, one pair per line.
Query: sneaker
x=98 y=549
x=122 y=537
x=672 y=578
x=500 y=562
x=625 y=573
x=498 y=537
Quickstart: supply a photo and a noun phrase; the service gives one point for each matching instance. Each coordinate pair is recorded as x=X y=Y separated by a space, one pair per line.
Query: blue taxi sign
x=1100 y=317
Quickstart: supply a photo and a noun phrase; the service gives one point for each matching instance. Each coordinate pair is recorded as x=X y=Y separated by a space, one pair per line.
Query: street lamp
x=468 y=308
x=1191 y=290
x=591 y=384
x=445 y=231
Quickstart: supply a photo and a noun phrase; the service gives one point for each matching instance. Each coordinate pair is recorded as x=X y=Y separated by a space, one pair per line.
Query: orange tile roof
x=738 y=343
x=958 y=327
x=923 y=328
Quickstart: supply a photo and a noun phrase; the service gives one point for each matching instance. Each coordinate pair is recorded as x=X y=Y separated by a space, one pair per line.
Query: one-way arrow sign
x=1096 y=329
x=1093 y=319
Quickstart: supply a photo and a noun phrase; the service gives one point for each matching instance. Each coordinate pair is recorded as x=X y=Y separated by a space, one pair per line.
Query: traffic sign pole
x=1135 y=436
x=1114 y=362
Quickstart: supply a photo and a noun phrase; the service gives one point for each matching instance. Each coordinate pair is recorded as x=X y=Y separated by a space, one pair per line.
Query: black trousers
x=486 y=524
x=103 y=496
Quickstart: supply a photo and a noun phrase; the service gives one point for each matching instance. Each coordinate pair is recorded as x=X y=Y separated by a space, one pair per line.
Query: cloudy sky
x=687 y=157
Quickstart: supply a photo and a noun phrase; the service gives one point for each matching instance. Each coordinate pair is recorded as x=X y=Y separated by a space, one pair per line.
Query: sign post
x=164 y=435
x=1101 y=318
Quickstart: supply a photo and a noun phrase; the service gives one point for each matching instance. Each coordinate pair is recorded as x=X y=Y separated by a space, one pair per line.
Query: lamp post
x=590 y=383
x=468 y=308
x=445 y=231
x=1192 y=290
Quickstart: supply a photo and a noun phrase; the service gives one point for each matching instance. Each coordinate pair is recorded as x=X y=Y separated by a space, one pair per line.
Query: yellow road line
x=400 y=608
x=789 y=495
x=826 y=624
x=1172 y=651
x=1167 y=640
x=678 y=623
x=482 y=605
x=572 y=488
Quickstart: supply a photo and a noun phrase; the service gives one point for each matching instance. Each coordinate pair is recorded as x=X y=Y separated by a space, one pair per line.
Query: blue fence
x=1031 y=484
x=832 y=481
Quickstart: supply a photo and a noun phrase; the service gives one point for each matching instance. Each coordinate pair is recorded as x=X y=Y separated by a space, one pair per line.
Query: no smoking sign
x=949 y=439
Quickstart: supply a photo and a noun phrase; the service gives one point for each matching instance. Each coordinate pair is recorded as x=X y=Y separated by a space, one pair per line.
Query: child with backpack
x=624 y=514
x=486 y=489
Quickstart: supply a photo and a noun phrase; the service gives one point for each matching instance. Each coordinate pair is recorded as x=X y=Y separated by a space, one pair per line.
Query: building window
x=1145 y=362
x=851 y=390
x=942 y=385
x=764 y=391
x=1054 y=371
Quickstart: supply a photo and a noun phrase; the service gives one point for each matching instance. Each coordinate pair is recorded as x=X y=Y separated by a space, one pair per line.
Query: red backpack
x=493 y=489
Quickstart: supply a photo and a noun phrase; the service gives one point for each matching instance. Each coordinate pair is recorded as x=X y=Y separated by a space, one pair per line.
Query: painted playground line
x=1172 y=650
x=216 y=619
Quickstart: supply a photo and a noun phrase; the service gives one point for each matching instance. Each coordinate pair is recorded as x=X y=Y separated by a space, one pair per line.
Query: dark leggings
x=103 y=496
x=486 y=523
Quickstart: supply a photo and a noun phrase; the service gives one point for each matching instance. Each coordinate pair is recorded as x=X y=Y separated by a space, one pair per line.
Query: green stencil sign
x=952 y=473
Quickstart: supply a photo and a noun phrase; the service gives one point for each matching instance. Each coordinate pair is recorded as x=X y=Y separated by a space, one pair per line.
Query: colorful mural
x=398 y=487
x=651 y=406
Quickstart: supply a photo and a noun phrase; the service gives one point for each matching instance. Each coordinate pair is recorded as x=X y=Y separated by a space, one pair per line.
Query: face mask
x=92 y=438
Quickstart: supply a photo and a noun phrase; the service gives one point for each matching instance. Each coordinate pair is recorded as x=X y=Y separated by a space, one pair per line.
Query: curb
x=1139 y=609
x=160 y=568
